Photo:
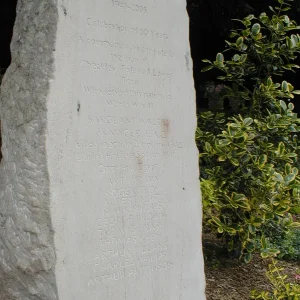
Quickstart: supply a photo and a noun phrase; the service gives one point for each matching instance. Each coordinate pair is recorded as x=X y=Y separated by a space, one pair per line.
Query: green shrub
x=288 y=243
x=249 y=153
x=281 y=288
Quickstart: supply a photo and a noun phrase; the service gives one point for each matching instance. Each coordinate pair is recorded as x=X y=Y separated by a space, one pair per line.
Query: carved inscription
x=125 y=47
x=125 y=94
x=138 y=249
x=151 y=33
x=128 y=5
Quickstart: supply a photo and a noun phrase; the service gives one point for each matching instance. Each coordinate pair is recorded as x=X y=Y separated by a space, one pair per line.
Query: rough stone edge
x=27 y=252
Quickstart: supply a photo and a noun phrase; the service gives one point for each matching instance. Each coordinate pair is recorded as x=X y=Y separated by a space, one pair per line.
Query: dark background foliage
x=210 y=24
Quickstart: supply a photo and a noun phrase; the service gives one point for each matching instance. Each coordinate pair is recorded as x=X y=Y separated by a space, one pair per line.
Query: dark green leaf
x=244 y=47
x=283 y=105
x=230 y=230
x=208 y=147
x=247 y=257
x=295 y=171
x=278 y=177
x=263 y=242
x=243 y=58
x=272 y=9
x=247 y=121
x=282 y=210
x=281 y=148
x=291 y=154
x=262 y=160
x=220 y=58
x=238 y=197
x=270 y=82
x=240 y=41
x=256 y=29
x=289 y=178
x=224 y=142
x=236 y=57
x=251 y=229
x=217 y=221
x=257 y=222
x=284 y=86
x=288 y=169
x=207 y=68
x=294 y=225
x=235 y=162
x=289 y=43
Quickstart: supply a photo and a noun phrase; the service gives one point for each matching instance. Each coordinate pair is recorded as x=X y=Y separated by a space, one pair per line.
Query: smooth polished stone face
x=121 y=164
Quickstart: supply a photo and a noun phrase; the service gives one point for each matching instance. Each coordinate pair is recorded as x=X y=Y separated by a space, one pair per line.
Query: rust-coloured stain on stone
x=140 y=163
x=165 y=127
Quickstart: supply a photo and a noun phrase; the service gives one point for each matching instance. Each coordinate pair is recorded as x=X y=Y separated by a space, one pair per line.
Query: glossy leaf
x=239 y=41
x=207 y=68
x=220 y=58
x=256 y=29
x=262 y=160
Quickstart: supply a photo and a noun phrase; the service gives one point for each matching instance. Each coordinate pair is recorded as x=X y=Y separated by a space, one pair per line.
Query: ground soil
x=229 y=279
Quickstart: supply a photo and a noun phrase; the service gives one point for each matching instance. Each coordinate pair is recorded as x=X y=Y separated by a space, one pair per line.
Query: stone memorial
x=99 y=189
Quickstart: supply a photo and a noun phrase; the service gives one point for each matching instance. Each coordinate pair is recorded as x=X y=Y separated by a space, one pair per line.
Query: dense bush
x=287 y=242
x=249 y=152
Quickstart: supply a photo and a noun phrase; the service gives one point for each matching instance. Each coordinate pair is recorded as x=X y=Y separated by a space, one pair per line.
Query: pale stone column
x=99 y=189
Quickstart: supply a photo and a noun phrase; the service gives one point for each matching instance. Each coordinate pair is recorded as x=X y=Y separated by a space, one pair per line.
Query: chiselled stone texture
x=27 y=255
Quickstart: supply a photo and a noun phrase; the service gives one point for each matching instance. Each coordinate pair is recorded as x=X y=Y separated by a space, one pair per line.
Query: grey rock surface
x=27 y=254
